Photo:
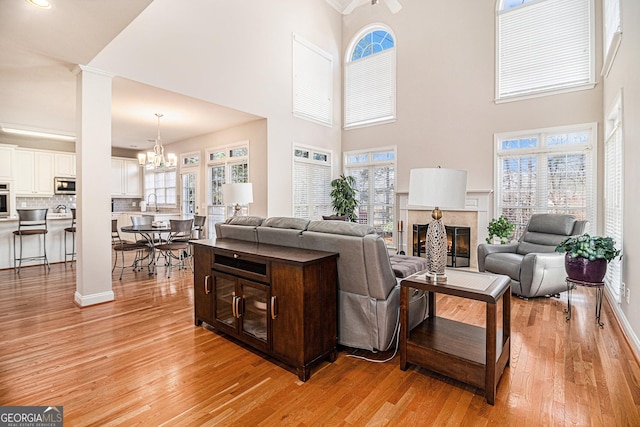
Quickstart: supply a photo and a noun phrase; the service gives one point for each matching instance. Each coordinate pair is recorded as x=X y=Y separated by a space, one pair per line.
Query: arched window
x=544 y=46
x=370 y=77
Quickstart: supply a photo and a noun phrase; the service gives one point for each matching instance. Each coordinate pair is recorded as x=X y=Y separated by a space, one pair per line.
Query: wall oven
x=5 y=200
x=64 y=185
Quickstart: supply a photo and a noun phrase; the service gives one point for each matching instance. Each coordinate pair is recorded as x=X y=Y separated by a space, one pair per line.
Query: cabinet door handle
x=274 y=307
x=239 y=310
x=207 y=287
x=233 y=305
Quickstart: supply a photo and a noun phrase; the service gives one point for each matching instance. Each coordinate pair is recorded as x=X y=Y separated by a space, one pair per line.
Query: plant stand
x=572 y=283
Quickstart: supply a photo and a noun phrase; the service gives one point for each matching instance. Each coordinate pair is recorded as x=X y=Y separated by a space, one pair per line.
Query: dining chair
x=120 y=247
x=177 y=245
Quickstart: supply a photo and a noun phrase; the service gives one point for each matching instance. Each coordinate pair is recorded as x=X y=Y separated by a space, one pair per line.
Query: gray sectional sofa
x=368 y=290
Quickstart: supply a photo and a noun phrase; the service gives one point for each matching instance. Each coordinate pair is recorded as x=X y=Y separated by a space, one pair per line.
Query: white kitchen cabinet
x=34 y=172
x=125 y=178
x=65 y=164
x=6 y=162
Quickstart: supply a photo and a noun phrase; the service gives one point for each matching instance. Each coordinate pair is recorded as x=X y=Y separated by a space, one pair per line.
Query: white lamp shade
x=237 y=193
x=438 y=187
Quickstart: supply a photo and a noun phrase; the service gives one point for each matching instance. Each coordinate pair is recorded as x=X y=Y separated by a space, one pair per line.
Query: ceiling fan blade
x=352 y=5
x=393 y=5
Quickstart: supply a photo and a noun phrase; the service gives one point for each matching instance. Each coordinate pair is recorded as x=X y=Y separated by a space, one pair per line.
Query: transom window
x=546 y=171
x=373 y=42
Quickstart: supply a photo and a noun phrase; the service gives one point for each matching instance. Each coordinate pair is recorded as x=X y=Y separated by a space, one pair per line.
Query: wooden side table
x=468 y=353
x=572 y=283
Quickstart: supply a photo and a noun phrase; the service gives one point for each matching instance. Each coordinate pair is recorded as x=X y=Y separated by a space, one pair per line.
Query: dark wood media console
x=279 y=300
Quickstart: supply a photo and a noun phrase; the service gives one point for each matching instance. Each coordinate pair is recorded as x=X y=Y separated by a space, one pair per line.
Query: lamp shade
x=237 y=193
x=438 y=187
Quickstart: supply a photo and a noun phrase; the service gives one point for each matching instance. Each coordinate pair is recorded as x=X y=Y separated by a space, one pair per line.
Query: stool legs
x=72 y=254
x=17 y=261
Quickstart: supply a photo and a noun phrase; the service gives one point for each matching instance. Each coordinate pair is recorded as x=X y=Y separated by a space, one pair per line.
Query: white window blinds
x=311 y=183
x=612 y=32
x=370 y=89
x=613 y=174
x=545 y=46
x=312 y=82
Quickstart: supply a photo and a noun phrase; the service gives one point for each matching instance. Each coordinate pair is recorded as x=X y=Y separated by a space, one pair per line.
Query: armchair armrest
x=485 y=249
x=542 y=273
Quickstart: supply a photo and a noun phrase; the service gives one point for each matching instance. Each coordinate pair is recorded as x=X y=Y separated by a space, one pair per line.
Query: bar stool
x=31 y=222
x=71 y=230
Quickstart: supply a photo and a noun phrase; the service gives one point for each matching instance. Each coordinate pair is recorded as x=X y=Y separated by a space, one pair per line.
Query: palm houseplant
x=587 y=256
x=500 y=230
x=343 y=197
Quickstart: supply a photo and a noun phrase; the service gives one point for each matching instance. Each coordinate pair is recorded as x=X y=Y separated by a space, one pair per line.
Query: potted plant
x=500 y=229
x=343 y=197
x=587 y=256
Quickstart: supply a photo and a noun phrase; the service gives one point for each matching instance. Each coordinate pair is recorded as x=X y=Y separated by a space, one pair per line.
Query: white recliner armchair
x=533 y=265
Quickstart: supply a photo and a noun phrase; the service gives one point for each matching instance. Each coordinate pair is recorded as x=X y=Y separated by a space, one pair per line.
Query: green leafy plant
x=590 y=247
x=343 y=197
x=501 y=228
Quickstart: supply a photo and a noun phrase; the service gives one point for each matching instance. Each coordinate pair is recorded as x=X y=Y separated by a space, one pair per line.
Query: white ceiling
x=41 y=48
x=347 y=6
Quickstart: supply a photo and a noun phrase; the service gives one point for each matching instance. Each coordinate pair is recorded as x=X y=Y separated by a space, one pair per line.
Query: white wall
x=445 y=82
x=256 y=133
x=624 y=75
x=237 y=54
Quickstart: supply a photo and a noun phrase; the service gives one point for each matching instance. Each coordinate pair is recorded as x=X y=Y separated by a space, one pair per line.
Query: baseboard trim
x=93 y=299
x=629 y=335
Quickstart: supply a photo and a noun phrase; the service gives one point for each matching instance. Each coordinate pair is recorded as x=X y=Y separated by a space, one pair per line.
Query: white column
x=93 y=193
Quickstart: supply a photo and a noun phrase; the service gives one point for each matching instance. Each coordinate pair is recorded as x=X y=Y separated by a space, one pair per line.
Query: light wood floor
x=141 y=361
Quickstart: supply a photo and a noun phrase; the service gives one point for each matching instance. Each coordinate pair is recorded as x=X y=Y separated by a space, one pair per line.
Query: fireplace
x=458 y=244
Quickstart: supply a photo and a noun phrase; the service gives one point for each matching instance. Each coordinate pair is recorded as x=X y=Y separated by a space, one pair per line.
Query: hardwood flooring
x=141 y=361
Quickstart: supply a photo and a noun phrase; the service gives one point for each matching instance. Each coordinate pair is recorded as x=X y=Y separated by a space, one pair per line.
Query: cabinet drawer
x=242 y=265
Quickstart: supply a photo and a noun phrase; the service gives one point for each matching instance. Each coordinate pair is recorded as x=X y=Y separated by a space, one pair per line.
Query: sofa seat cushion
x=405 y=265
x=504 y=263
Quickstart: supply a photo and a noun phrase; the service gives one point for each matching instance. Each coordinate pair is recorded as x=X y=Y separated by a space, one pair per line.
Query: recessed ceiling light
x=44 y=4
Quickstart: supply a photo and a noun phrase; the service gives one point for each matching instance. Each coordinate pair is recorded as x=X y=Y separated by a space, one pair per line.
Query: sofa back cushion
x=363 y=265
x=283 y=231
x=239 y=227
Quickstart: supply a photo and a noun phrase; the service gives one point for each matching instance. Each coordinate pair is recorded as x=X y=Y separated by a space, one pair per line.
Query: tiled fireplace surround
x=476 y=215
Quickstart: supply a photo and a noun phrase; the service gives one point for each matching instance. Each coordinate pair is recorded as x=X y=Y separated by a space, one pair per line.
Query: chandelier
x=155 y=159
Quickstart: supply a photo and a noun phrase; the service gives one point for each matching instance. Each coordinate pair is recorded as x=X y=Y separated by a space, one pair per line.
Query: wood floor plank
x=140 y=361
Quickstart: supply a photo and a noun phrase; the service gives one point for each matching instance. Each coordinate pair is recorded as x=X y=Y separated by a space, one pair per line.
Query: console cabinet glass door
x=224 y=290
x=241 y=308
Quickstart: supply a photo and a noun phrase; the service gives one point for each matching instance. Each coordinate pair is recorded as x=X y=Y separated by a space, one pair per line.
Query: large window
x=311 y=182
x=544 y=46
x=375 y=175
x=370 y=78
x=225 y=165
x=546 y=171
x=162 y=183
x=613 y=201
x=312 y=82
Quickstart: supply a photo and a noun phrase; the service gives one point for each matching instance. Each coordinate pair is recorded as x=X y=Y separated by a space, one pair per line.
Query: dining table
x=152 y=234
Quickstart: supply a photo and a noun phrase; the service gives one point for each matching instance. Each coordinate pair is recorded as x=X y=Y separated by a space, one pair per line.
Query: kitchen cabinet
x=6 y=162
x=279 y=300
x=65 y=164
x=34 y=172
x=125 y=178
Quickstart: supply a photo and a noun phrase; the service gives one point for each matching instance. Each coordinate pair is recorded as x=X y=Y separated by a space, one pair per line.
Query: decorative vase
x=584 y=270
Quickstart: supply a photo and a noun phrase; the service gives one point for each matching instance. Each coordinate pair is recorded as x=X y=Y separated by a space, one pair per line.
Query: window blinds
x=370 y=89
x=545 y=46
x=312 y=82
x=311 y=188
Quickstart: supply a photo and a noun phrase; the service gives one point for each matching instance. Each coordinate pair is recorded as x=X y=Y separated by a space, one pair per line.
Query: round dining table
x=150 y=233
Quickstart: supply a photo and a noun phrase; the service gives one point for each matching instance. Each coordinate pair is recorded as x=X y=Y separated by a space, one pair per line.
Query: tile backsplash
x=46 y=202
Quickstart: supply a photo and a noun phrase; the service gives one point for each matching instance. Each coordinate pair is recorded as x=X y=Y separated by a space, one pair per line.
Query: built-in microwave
x=5 y=200
x=64 y=185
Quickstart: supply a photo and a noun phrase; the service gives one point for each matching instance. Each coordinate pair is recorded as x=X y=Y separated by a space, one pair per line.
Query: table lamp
x=237 y=194
x=437 y=188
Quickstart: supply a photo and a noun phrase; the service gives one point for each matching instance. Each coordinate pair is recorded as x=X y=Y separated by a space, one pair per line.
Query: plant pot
x=584 y=270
